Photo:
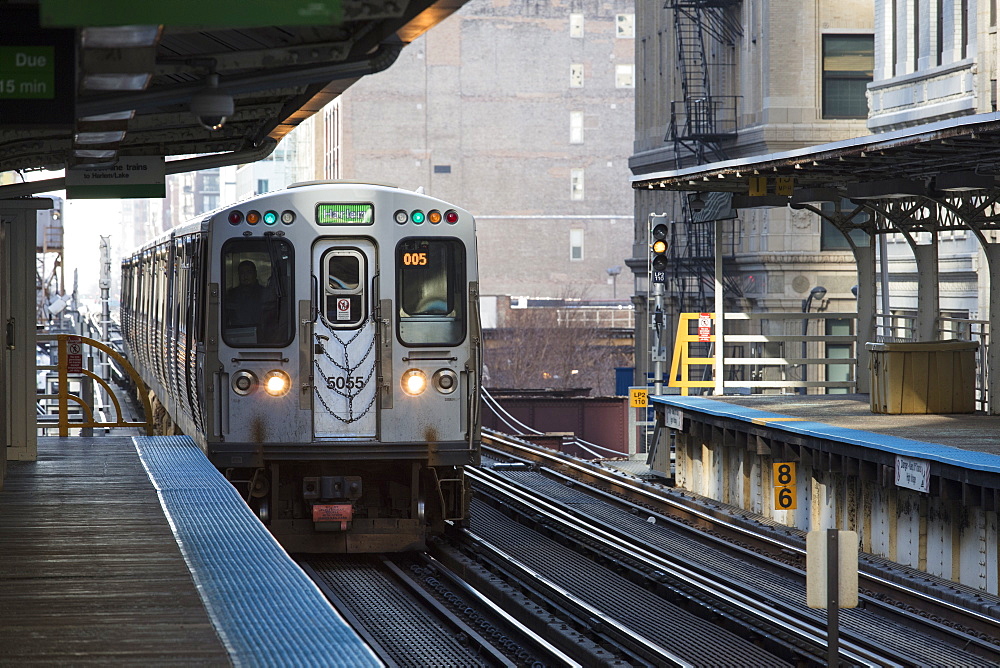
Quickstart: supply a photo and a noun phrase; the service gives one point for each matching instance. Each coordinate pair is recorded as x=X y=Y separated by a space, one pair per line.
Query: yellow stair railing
x=682 y=361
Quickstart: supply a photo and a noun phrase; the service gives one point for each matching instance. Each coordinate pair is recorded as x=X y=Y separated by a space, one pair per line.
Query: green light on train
x=417 y=217
x=270 y=217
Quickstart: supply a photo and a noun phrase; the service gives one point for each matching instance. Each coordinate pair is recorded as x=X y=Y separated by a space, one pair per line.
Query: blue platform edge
x=265 y=609
x=945 y=454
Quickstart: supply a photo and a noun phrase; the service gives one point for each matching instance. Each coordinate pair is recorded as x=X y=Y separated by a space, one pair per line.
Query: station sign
x=74 y=354
x=37 y=71
x=704 y=327
x=131 y=176
x=674 y=418
x=913 y=473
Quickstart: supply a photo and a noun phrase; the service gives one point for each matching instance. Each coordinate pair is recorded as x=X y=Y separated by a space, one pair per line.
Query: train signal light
x=659 y=247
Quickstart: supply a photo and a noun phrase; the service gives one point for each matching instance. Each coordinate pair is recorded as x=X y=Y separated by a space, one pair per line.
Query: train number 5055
x=345 y=383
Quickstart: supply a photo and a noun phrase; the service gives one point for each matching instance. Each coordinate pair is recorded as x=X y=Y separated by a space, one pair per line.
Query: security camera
x=211 y=106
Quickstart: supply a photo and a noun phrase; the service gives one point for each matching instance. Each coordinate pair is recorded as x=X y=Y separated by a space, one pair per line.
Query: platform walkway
x=92 y=571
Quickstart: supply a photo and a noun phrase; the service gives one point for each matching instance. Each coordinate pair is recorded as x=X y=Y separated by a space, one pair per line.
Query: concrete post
x=928 y=292
x=866 y=313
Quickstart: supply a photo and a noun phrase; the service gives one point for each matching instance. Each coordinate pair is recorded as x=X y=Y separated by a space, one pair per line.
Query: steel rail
x=554 y=656
x=853 y=647
x=942 y=607
x=621 y=633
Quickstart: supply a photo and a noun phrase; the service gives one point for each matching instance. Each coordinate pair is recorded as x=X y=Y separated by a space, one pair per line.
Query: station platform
x=920 y=490
x=135 y=550
x=959 y=439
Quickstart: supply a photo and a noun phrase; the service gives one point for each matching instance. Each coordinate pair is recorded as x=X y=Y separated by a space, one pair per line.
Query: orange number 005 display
x=414 y=259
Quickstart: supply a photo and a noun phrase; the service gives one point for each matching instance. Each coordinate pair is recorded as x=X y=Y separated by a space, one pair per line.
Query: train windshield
x=257 y=299
x=431 y=291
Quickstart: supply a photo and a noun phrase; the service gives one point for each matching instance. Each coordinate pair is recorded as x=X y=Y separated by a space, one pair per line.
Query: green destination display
x=344 y=214
x=27 y=72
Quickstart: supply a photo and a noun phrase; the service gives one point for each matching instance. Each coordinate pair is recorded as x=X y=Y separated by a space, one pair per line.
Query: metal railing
x=761 y=352
x=74 y=382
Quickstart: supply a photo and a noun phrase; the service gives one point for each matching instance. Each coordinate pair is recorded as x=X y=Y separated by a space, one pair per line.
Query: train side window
x=346 y=275
x=430 y=288
x=257 y=300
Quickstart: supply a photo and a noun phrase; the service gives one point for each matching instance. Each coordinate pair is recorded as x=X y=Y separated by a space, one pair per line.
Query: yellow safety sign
x=638 y=397
x=785 y=495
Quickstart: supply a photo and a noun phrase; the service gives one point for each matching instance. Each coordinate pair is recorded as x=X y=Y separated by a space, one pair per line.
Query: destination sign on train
x=344 y=214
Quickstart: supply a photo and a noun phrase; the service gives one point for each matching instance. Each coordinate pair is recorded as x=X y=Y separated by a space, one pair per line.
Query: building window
x=261 y=186
x=575 y=245
x=576 y=75
x=848 y=61
x=625 y=26
x=625 y=76
x=576 y=184
x=576 y=25
x=576 y=127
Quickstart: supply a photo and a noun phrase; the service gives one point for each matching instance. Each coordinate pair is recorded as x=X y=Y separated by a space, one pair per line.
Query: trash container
x=923 y=377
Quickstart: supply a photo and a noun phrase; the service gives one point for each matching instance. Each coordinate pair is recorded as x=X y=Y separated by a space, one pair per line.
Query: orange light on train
x=434 y=217
x=253 y=217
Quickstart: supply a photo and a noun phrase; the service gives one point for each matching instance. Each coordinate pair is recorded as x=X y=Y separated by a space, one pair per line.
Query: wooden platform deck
x=975 y=432
x=90 y=573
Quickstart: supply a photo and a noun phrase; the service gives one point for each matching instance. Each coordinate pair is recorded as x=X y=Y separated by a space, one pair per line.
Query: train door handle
x=318 y=346
x=10 y=333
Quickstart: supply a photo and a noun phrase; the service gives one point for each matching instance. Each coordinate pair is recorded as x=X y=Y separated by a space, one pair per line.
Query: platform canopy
x=959 y=155
x=916 y=182
x=82 y=84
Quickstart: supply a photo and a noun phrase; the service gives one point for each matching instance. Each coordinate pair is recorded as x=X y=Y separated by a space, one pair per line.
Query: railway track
x=566 y=564
x=412 y=611
x=653 y=530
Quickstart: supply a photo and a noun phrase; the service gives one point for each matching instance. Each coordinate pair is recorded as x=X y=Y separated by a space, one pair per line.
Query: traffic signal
x=659 y=248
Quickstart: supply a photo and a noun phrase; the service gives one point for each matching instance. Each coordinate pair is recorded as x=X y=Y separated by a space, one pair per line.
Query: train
x=322 y=345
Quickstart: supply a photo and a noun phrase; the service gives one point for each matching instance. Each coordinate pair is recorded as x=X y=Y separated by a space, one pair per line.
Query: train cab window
x=343 y=293
x=257 y=300
x=431 y=291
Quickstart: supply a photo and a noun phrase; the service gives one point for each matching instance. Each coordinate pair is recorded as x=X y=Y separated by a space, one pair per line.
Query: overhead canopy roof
x=941 y=155
x=133 y=84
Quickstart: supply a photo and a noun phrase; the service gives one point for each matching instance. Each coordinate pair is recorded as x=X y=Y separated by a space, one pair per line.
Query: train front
x=347 y=391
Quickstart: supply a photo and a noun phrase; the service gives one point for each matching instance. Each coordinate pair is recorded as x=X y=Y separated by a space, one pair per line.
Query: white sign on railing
x=913 y=473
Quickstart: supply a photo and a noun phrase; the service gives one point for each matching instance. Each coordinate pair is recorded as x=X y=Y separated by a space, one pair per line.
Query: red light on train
x=235 y=217
x=451 y=216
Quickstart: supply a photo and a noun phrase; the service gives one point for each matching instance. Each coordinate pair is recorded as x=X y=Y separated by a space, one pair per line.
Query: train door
x=344 y=348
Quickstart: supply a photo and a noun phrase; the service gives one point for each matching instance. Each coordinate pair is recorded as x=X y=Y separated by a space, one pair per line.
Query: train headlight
x=414 y=382
x=244 y=382
x=444 y=381
x=276 y=383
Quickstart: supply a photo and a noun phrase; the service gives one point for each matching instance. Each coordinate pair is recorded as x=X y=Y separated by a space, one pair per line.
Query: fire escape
x=705 y=33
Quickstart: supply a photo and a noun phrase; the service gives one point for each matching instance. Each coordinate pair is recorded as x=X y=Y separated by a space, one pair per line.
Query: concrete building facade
x=522 y=113
x=777 y=75
x=935 y=61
